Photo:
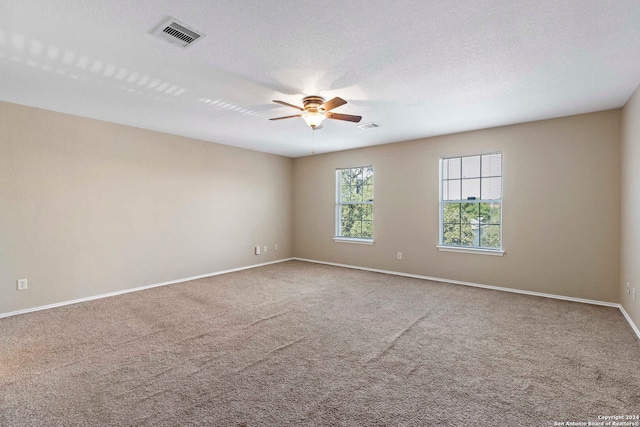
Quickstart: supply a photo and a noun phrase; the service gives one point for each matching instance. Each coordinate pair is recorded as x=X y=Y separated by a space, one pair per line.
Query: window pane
x=492 y=165
x=356 y=196
x=451 y=168
x=345 y=181
x=367 y=175
x=345 y=226
x=490 y=213
x=470 y=188
x=451 y=190
x=451 y=234
x=367 y=230
x=356 y=229
x=351 y=228
x=345 y=191
x=357 y=173
x=367 y=212
x=345 y=185
x=468 y=234
x=471 y=167
x=491 y=188
x=451 y=213
x=349 y=216
x=490 y=236
x=345 y=212
x=359 y=185
x=470 y=212
x=367 y=193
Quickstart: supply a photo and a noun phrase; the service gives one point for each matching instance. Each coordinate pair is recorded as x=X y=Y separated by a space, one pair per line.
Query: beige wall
x=561 y=223
x=88 y=207
x=630 y=223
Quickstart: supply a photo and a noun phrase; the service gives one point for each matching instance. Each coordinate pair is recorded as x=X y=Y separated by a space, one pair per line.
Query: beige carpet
x=304 y=344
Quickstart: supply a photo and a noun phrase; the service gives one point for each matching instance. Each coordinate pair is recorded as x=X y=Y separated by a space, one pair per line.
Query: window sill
x=353 y=240
x=494 y=252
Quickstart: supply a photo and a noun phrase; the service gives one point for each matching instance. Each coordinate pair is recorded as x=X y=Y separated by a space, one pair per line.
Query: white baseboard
x=479 y=285
x=458 y=282
x=140 y=288
x=395 y=273
x=633 y=325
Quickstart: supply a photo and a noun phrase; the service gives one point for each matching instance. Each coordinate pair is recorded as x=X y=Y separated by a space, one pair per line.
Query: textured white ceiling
x=416 y=68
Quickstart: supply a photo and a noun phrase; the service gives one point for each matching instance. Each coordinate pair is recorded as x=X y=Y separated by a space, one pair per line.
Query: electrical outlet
x=257 y=249
x=22 y=284
x=275 y=247
x=265 y=248
x=399 y=256
x=628 y=290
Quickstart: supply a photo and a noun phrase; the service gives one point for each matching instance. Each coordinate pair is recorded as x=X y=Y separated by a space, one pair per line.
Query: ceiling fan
x=315 y=110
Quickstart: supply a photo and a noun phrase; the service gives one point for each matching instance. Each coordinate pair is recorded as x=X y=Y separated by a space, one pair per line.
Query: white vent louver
x=176 y=32
x=368 y=126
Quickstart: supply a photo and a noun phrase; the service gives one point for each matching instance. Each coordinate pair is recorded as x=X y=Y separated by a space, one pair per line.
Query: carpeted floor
x=297 y=343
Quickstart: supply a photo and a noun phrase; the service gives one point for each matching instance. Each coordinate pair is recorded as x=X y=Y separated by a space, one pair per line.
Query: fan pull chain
x=313 y=142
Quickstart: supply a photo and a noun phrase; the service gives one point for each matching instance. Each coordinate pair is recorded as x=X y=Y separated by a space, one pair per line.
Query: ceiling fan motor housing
x=312 y=103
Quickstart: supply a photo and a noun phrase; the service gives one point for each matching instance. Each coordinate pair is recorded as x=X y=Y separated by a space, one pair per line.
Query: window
x=354 y=203
x=471 y=202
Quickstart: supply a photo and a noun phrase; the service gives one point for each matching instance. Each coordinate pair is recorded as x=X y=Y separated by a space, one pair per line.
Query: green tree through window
x=355 y=203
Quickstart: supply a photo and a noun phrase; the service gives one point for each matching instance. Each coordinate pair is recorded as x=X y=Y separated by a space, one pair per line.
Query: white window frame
x=470 y=249
x=339 y=204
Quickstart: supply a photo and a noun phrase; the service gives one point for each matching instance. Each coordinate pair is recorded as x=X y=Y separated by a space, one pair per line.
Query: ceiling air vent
x=368 y=126
x=176 y=32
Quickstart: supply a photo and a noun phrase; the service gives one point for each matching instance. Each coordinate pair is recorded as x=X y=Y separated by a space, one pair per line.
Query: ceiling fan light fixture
x=313 y=118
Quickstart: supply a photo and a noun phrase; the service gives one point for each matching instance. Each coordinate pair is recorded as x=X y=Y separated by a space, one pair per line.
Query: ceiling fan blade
x=345 y=117
x=333 y=103
x=286 y=117
x=288 y=105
